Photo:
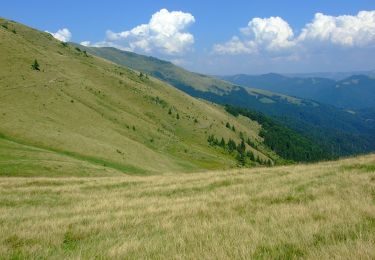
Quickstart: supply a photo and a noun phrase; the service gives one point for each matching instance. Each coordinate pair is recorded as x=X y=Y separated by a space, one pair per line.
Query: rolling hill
x=353 y=92
x=63 y=110
x=337 y=131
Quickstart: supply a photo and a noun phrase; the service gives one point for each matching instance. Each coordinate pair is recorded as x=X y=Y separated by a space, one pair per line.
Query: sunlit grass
x=314 y=211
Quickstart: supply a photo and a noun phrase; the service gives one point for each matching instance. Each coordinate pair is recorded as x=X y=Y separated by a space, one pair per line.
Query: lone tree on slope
x=35 y=65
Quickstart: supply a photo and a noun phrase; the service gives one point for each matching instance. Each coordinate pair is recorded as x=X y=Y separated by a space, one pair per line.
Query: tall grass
x=314 y=211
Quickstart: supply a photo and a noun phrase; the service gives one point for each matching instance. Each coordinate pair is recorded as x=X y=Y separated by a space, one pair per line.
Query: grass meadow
x=317 y=211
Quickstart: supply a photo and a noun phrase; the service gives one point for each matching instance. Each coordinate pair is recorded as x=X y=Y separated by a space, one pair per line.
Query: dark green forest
x=282 y=140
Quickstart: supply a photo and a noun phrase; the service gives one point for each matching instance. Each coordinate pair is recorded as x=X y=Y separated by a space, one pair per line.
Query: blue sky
x=215 y=36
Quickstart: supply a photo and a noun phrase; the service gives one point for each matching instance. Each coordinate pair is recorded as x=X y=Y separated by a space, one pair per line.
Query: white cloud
x=274 y=35
x=345 y=30
x=63 y=35
x=235 y=46
x=86 y=43
x=165 y=33
x=270 y=34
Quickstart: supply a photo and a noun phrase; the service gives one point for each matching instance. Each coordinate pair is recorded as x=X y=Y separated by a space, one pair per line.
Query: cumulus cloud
x=270 y=34
x=63 y=35
x=345 y=30
x=165 y=33
x=274 y=35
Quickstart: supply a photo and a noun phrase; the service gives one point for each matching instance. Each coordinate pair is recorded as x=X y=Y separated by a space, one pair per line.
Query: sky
x=217 y=37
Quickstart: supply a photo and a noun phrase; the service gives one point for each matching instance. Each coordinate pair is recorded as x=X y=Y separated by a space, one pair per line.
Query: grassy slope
x=88 y=110
x=178 y=76
x=162 y=69
x=337 y=131
x=318 y=211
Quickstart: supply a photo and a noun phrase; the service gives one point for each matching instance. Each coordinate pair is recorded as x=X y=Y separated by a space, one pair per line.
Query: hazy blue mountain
x=331 y=75
x=354 y=92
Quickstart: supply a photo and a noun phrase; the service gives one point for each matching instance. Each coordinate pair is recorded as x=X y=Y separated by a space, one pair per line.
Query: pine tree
x=211 y=139
x=222 y=142
x=35 y=65
x=170 y=112
x=241 y=148
x=227 y=125
x=231 y=145
x=241 y=159
x=178 y=116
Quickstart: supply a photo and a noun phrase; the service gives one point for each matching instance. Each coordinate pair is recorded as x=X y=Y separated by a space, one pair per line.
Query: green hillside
x=337 y=131
x=73 y=109
x=161 y=69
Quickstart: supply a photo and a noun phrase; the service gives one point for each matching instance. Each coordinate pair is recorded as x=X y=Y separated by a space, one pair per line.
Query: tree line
x=242 y=155
x=287 y=143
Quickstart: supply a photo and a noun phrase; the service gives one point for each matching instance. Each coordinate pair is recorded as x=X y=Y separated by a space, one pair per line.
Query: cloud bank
x=63 y=35
x=274 y=35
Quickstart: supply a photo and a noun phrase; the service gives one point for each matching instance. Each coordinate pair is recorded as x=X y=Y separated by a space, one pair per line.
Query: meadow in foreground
x=316 y=211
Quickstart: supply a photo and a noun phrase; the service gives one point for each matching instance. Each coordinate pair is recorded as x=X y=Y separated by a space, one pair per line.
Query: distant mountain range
x=353 y=92
x=331 y=75
x=338 y=131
